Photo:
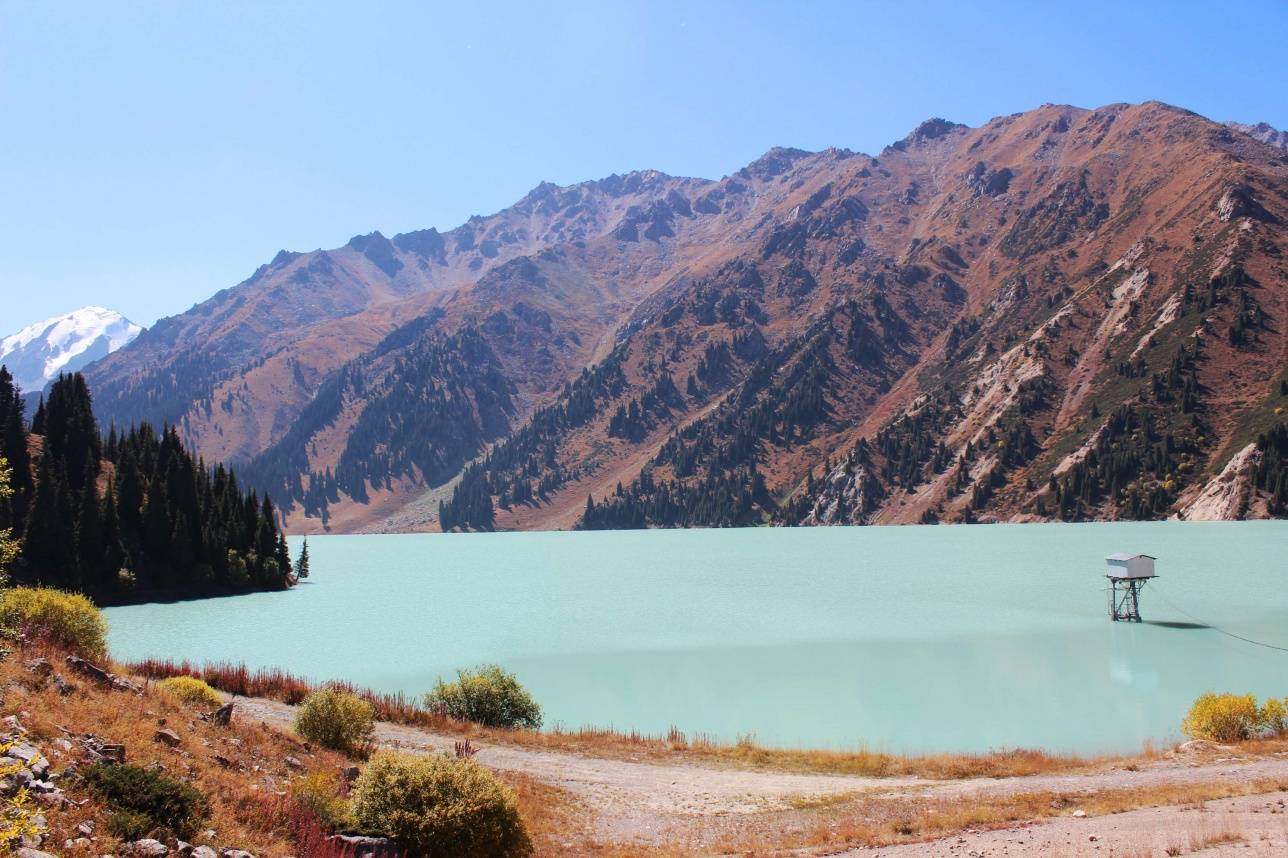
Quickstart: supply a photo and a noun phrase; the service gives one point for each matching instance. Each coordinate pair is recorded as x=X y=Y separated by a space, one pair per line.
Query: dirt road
x=648 y=801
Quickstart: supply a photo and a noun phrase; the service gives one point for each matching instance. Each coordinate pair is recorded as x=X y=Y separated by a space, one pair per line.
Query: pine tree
x=48 y=555
x=302 y=565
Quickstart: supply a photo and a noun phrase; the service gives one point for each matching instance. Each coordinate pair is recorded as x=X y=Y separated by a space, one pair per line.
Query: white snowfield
x=38 y=353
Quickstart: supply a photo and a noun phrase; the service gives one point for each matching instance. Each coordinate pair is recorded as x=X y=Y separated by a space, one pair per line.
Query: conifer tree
x=302 y=565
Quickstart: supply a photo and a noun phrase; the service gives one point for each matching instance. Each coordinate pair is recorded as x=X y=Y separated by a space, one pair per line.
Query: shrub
x=141 y=801
x=336 y=719
x=439 y=806
x=319 y=794
x=1222 y=717
x=192 y=691
x=1274 y=715
x=65 y=619
x=487 y=695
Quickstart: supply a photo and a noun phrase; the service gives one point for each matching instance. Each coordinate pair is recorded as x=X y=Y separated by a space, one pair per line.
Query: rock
x=181 y=847
x=358 y=846
x=27 y=852
x=204 y=852
x=30 y=756
x=100 y=675
x=293 y=763
x=100 y=751
x=221 y=717
x=148 y=848
x=39 y=666
x=1093 y=838
x=168 y=737
x=1080 y=813
x=12 y=724
x=86 y=828
x=235 y=853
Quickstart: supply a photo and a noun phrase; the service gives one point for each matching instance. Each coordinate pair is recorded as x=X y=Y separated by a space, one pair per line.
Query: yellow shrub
x=319 y=792
x=439 y=807
x=1222 y=717
x=66 y=619
x=336 y=719
x=1274 y=715
x=190 y=690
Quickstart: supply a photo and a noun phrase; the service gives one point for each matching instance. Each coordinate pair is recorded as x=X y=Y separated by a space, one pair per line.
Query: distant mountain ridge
x=1264 y=132
x=39 y=352
x=1061 y=314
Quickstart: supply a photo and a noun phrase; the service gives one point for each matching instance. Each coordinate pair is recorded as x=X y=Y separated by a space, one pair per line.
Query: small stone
x=204 y=852
x=148 y=848
x=168 y=737
x=293 y=763
x=1080 y=813
x=86 y=828
x=28 y=852
x=235 y=853
x=39 y=666
x=1093 y=838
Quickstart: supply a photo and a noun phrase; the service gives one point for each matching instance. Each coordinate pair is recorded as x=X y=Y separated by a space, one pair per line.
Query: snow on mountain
x=38 y=353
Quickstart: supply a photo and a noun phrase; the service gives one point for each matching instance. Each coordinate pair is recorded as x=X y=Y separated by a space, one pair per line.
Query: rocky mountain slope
x=1064 y=313
x=39 y=352
x=1264 y=132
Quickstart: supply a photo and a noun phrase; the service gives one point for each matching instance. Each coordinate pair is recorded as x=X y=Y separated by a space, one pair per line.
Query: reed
x=277 y=684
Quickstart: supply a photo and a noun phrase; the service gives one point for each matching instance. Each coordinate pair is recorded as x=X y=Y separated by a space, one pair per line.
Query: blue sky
x=154 y=153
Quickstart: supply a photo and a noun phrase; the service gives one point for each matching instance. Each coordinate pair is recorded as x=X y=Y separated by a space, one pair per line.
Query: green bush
x=439 y=807
x=65 y=619
x=191 y=690
x=486 y=695
x=141 y=801
x=1222 y=717
x=336 y=719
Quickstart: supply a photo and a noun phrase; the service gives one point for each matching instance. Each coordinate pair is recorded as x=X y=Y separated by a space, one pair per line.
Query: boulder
x=148 y=848
x=221 y=717
x=358 y=846
x=29 y=755
x=204 y=852
x=235 y=853
x=39 y=666
x=167 y=737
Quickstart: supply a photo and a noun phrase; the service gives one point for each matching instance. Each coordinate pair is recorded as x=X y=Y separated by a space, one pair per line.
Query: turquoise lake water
x=895 y=638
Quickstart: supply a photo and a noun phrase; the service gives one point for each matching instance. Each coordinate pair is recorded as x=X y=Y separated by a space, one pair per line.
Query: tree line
x=129 y=515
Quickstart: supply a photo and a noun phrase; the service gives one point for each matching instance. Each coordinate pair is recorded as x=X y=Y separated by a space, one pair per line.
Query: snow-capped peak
x=38 y=353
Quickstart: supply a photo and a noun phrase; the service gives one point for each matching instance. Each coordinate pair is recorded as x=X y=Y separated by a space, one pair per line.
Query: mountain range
x=39 y=352
x=1062 y=314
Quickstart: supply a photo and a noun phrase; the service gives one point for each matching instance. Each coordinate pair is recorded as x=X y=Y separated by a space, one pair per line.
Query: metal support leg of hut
x=1124 y=599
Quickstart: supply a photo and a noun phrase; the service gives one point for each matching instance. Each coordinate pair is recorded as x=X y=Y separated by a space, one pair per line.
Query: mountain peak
x=39 y=352
x=1263 y=131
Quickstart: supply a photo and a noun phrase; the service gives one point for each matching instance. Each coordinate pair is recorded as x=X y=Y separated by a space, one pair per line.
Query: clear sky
x=154 y=153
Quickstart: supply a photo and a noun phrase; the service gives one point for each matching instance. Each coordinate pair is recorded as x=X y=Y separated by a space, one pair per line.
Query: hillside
x=1063 y=313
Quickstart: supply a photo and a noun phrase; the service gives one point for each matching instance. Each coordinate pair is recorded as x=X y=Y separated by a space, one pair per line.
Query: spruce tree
x=302 y=565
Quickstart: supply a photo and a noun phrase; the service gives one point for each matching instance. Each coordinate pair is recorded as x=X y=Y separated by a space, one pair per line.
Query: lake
x=907 y=639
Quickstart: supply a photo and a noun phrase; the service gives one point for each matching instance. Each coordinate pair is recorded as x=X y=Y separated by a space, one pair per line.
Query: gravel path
x=637 y=800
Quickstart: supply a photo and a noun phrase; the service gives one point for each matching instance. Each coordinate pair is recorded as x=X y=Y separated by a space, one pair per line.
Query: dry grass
x=280 y=685
x=244 y=795
x=250 y=809
x=884 y=821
